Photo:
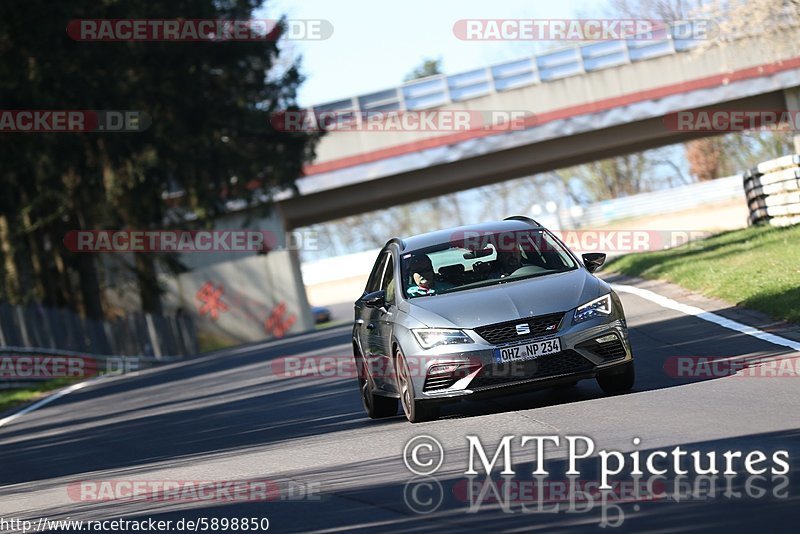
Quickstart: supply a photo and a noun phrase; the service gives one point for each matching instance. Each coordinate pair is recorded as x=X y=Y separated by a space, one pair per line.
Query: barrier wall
x=773 y=191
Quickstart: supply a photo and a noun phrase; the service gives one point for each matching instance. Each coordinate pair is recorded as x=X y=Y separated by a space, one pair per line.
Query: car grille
x=506 y=332
x=612 y=350
x=560 y=363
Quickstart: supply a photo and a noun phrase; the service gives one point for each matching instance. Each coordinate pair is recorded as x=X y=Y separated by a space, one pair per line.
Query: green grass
x=758 y=268
x=209 y=342
x=330 y=324
x=11 y=398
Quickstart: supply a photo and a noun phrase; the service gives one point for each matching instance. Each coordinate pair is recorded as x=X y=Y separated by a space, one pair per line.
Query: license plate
x=529 y=351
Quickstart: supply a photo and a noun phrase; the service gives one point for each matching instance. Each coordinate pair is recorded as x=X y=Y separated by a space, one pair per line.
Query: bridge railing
x=440 y=90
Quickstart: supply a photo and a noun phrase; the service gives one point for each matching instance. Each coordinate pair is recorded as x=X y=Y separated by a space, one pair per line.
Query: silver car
x=489 y=309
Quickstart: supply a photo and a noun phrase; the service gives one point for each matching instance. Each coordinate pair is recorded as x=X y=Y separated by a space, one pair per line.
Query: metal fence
x=666 y=201
x=137 y=334
x=773 y=191
x=440 y=90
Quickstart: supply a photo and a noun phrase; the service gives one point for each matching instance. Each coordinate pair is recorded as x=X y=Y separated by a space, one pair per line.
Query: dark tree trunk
x=149 y=290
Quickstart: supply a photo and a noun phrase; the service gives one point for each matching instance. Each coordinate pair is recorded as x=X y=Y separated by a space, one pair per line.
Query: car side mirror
x=376 y=299
x=593 y=260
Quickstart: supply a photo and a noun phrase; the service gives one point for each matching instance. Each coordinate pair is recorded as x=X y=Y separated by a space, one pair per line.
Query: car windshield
x=477 y=259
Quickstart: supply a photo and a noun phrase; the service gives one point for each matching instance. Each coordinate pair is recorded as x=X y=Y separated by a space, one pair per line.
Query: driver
x=508 y=261
x=424 y=278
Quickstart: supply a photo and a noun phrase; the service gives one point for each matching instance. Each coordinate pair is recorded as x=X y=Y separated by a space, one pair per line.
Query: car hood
x=506 y=302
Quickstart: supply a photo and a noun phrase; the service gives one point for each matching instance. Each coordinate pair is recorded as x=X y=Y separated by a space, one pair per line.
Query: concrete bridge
x=581 y=104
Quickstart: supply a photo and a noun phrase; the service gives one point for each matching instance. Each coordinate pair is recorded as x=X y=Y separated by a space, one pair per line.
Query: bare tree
x=705 y=158
x=668 y=11
x=621 y=176
x=775 y=23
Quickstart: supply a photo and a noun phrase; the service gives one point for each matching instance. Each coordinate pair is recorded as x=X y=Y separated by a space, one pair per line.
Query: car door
x=366 y=317
x=383 y=322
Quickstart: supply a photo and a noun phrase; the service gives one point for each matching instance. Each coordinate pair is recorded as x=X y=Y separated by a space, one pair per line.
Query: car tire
x=376 y=406
x=416 y=411
x=618 y=379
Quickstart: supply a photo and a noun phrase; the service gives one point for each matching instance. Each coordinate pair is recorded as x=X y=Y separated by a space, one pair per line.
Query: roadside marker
x=47 y=400
x=708 y=316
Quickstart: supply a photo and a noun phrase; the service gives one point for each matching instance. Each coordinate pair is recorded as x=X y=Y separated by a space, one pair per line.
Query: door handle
x=371 y=326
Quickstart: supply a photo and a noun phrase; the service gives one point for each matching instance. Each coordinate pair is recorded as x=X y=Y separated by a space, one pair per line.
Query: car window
x=542 y=249
x=376 y=276
x=388 y=284
x=486 y=260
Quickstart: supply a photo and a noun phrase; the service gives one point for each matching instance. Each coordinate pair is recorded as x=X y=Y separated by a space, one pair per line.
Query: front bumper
x=581 y=357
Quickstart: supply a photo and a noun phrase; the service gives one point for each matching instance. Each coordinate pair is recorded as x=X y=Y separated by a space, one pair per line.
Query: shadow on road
x=669 y=502
x=230 y=403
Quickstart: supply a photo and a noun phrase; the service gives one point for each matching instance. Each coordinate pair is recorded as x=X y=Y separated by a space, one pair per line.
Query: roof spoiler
x=523 y=218
x=400 y=243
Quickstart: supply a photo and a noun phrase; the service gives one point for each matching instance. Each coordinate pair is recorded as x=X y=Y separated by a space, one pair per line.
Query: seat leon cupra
x=489 y=309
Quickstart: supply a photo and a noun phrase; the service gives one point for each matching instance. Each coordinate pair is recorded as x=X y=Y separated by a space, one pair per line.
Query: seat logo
x=523 y=329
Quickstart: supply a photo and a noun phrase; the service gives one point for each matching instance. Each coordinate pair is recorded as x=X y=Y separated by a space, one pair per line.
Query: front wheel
x=376 y=406
x=618 y=379
x=416 y=411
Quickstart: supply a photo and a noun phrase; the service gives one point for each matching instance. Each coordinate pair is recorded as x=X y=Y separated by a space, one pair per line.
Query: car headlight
x=593 y=308
x=431 y=337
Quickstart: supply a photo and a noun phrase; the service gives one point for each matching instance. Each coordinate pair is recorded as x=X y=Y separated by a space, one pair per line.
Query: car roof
x=437 y=237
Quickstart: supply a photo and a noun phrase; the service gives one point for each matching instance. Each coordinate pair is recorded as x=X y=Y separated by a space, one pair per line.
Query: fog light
x=442 y=369
x=606 y=339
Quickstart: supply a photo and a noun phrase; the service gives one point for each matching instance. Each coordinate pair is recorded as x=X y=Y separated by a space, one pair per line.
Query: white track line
x=708 y=316
x=47 y=400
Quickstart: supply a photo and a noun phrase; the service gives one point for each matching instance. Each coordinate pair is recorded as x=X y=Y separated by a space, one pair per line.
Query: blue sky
x=376 y=43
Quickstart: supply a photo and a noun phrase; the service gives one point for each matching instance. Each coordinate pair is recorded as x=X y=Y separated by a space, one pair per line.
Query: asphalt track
x=229 y=417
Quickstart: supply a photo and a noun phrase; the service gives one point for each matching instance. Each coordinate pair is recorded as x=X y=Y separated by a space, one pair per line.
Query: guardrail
x=440 y=90
x=141 y=334
x=682 y=197
x=39 y=343
x=772 y=189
